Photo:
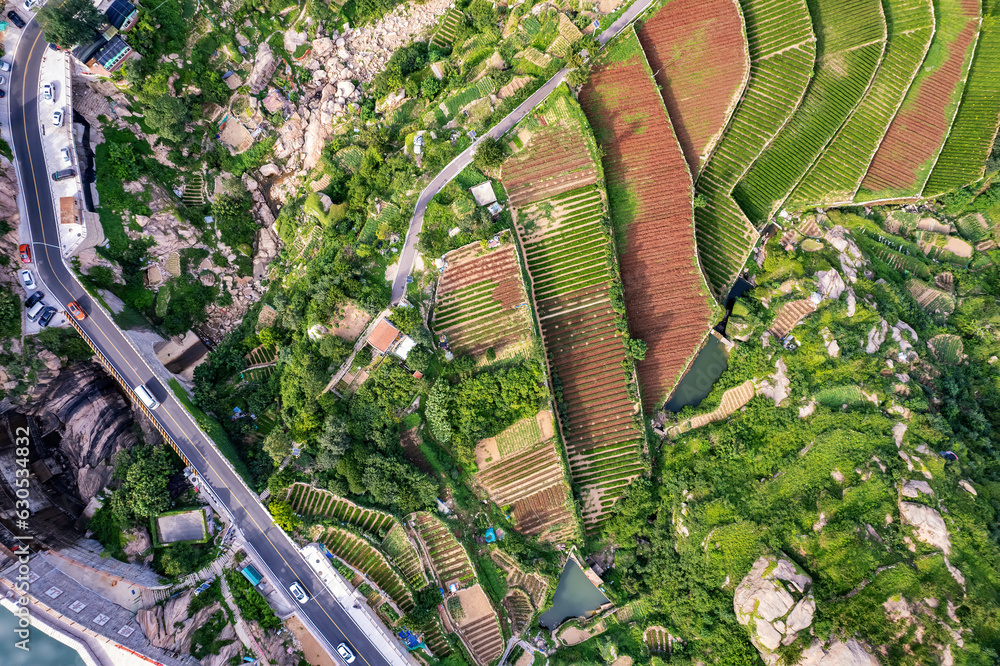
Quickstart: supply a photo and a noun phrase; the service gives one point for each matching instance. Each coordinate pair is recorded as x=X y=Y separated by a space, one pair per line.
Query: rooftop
x=383 y=336
x=483 y=193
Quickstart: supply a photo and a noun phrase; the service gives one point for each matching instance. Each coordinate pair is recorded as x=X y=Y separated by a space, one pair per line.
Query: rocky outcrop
x=837 y=653
x=928 y=525
x=169 y=627
x=764 y=603
x=95 y=421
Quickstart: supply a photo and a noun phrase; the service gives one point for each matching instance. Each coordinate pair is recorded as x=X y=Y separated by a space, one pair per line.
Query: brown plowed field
x=920 y=127
x=557 y=160
x=698 y=53
x=481 y=301
x=666 y=297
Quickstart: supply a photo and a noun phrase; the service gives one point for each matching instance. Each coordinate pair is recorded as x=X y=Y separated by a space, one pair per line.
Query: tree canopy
x=70 y=22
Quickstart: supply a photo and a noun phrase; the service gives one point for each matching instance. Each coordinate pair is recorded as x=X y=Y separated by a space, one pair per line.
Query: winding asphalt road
x=281 y=559
x=464 y=159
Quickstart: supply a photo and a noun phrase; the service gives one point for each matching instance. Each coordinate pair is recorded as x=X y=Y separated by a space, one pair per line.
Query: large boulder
x=928 y=525
x=774 y=601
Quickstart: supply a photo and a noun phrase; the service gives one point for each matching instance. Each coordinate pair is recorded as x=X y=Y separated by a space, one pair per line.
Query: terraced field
x=480 y=626
x=399 y=549
x=481 y=302
x=365 y=558
x=532 y=583
x=910 y=148
x=782 y=50
x=531 y=480
x=565 y=248
x=851 y=40
x=309 y=501
x=557 y=159
x=445 y=34
x=450 y=561
x=964 y=154
x=836 y=176
x=667 y=300
x=698 y=51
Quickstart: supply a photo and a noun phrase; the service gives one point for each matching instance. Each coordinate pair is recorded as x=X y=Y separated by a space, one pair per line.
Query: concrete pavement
x=464 y=159
x=283 y=564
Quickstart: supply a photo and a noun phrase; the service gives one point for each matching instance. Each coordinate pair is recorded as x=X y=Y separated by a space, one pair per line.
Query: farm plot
x=362 y=556
x=557 y=159
x=931 y=300
x=790 y=315
x=532 y=482
x=782 y=51
x=480 y=626
x=445 y=34
x=836 y=176
x=399 y=549
x=532 y=583
x=448 y=558
x=308 y=501
x=667 y=300
x=963 y=157
x=698 y=49
x=906 y=155
x=851 y=41
x=481 y=301
x=565 y=248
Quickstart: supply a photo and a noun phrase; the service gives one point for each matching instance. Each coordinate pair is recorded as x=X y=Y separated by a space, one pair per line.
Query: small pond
x=574 y=597
x=708 y=366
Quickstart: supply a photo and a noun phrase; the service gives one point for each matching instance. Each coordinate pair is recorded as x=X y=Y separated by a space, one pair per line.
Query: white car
x=28 y=279
x=47 y=92
x=299 y=593
x=3 y=80
x=67 y=158
x=4 y=66
x=57 y=118
x=345 y=653
x=30 y=4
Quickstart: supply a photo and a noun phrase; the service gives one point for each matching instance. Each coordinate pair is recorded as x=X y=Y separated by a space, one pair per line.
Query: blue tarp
x=491 y=536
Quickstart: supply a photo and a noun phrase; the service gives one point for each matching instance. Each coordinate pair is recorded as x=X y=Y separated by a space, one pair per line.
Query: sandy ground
x=487 y=451
x=315 y=654
x=546 y=424
x=475 y=604
x=526 y=659
x=351 y=323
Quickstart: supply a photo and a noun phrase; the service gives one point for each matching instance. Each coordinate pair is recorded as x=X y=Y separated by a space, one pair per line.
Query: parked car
x=25 y=254
x=33 y=299
x=4 y=66
x=16 y=19
x=299 y=593
x=47 y=315
x=47 y=92
x=63 y=174
x=75 y=310
x=28 y=279
x=3 y=80
x=345 y=653
x=35 y=311
x=54 y=47
x=67 y=158
x=30 y=4
x=57 y=118
x=2 y=94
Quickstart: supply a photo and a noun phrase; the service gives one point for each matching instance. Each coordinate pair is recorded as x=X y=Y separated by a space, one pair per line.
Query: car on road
x=63 y=174
x=28 y=279
x=25 y=254
x=75 y=310
x=33 y=299
x=16 y=19
x=47 y=92
x=47 y=315
x=298 y=592
x=57 y=118
x=345 y=653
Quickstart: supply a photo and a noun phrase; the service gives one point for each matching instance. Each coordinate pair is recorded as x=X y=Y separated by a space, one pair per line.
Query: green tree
x=406 y=318
x=70 y=22
x=10 y=314
x=167 y=115
x=489 y=153
x=143 y=472
x=283 y=515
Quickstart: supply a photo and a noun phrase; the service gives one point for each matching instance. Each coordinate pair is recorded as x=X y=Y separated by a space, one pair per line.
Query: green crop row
x=836 y=89
x=975 y=126
x=837 y=174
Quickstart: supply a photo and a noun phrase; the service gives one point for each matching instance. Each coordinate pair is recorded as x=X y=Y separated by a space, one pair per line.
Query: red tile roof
x=383 y=336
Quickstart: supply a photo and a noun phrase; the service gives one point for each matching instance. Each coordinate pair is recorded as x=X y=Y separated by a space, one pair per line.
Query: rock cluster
x=168 y=626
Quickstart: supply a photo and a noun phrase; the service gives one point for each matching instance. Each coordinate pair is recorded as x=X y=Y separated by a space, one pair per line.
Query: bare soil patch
x=350 y=322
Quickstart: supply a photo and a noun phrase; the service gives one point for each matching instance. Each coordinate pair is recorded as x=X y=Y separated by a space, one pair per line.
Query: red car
x=25 y=254
x=76 y=310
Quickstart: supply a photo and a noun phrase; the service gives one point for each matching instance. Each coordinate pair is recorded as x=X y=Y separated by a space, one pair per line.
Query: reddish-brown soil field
x=919 y=129
x=556 y=161
x=478 y=298
x=666 y=298
x=698 y=54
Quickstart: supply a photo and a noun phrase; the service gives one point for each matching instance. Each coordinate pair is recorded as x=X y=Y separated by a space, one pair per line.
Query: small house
x=384 y=337
x=483 y=193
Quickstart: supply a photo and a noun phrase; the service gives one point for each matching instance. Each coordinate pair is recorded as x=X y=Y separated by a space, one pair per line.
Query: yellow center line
x=38 y=202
